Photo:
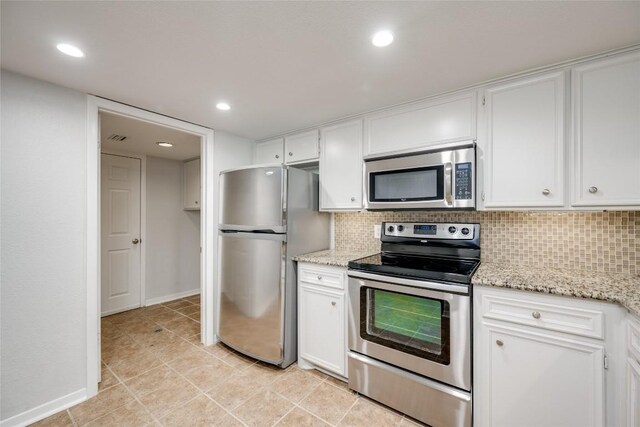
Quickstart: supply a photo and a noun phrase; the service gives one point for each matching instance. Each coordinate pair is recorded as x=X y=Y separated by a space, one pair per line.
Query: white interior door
x=120 y=231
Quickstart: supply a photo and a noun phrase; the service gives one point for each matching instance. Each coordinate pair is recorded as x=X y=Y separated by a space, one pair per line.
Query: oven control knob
x=390 y=229
x=401 y=228
x=465 y=231
x=452 y=229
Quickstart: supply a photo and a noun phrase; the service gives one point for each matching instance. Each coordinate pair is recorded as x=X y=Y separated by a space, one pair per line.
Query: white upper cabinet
x=270 y=151
x=341 y=166
x=523 y=143
x=606 y=132
x=420 y=125
x=191 y=188
x=302 y=147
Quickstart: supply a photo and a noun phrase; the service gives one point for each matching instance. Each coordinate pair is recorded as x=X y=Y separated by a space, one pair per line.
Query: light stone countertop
x=623 y=289
x=334 y=257
x=614 y=287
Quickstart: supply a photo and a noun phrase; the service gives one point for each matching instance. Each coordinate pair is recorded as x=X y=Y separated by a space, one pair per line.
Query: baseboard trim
x=46 y=409
x=160 y=300
x=119 y=310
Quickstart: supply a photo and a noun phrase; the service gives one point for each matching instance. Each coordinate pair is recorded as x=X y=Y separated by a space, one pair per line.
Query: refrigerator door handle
x=253 y=228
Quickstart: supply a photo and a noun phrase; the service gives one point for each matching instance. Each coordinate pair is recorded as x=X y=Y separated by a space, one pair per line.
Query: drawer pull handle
x=500 y=343
x=536 y=315
x=319 y=277
x=333 y=303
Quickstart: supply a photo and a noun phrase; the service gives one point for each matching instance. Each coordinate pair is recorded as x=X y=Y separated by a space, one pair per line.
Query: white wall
x=42 y=246
x=173 y=234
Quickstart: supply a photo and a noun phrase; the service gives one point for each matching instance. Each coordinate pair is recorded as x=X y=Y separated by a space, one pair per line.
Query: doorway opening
x=149 y=214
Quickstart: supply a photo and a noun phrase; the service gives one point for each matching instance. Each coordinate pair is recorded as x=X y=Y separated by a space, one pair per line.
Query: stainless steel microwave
x=439 y=179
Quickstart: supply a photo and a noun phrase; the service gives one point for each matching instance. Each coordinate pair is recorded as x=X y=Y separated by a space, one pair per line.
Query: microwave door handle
x=448 y=183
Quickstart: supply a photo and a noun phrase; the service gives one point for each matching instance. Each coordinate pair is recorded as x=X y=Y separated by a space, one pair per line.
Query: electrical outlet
x=377 y=229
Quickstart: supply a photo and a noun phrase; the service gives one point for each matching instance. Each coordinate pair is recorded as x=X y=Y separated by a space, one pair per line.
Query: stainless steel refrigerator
x=268 y=214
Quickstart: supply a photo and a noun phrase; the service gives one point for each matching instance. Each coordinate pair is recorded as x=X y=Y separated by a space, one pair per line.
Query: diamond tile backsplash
x=597 y=241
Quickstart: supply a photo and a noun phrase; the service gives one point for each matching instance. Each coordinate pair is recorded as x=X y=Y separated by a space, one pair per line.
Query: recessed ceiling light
x=223 y=106
x=382 y=38
x=164 y=144
x=70 y=50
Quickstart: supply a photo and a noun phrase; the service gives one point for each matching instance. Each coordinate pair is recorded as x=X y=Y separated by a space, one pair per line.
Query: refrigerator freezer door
x=252 y=293
x=253 y=199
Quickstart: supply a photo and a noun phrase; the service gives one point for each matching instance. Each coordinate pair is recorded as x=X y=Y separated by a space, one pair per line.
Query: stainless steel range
x=410 y=321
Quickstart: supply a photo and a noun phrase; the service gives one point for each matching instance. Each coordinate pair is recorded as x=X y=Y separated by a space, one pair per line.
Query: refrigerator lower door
x=253 y=199
x=252 y=277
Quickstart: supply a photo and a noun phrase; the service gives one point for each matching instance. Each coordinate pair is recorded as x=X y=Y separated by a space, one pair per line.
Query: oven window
x=407 y=185
x=408 y=323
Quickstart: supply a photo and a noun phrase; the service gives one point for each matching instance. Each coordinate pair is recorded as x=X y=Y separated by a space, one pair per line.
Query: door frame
x=143 y=219
x=208 y=225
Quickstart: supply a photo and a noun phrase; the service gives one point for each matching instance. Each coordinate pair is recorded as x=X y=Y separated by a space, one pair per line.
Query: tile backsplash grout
x=595 y=241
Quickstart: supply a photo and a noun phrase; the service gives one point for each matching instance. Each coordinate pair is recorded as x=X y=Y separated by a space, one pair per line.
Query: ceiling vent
x=116 y=137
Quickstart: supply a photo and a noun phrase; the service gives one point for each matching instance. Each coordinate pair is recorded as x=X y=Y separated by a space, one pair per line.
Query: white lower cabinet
x=322 y=339
x=633 y=372
x=543 y=360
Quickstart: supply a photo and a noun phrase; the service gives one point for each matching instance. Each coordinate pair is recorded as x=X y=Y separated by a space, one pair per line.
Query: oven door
x=444 y=179
x=423 y=327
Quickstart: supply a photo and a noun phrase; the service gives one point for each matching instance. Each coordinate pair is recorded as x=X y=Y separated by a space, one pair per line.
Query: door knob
x=135 y=241
x=593 y=190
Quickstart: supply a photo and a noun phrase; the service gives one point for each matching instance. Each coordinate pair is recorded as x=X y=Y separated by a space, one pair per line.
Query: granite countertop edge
x=618 y=288
x=623 y=289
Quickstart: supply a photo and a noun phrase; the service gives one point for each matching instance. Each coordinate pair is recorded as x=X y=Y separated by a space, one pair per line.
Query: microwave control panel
x=464 y=175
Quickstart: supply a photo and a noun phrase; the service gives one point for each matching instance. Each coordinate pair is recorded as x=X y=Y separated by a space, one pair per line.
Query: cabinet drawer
x=333 y=278
x=560 y=318
x=633 y=338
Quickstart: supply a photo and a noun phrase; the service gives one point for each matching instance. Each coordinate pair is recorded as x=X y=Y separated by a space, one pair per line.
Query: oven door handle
x=435 y=286
x=448 y=183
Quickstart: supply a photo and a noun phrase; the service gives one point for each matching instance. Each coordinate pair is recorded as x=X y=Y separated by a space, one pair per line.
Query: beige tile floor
x=156 y=372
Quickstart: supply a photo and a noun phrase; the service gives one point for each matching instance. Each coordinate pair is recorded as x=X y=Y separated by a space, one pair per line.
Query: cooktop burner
x=418 y=267
x=447 y=252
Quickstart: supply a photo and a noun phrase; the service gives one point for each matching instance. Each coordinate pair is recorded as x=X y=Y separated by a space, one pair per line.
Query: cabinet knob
x=333 y=303
x=353 y=199
x=135 y=241
x=290 y=153
x=277 y=156
x=546 y=191
x=593 y=190
x=499 y=343
x=196 y=202
x=536 y=315
x=319 y=277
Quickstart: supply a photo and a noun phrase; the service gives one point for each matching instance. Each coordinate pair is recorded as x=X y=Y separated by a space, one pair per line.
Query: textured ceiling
x=288 y=65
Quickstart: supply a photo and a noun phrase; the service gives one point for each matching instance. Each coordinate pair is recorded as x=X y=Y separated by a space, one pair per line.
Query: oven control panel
x=422 y=230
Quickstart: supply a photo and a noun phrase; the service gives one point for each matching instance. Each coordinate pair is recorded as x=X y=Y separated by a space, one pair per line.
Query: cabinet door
x=606 y=146
x=191 y=192
x=533 y=379
x=269 y=151
x=341 y=166
x=322 y=331
x=633 y=393
x=417 y=126
x=301 y=147
x=524 y=143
